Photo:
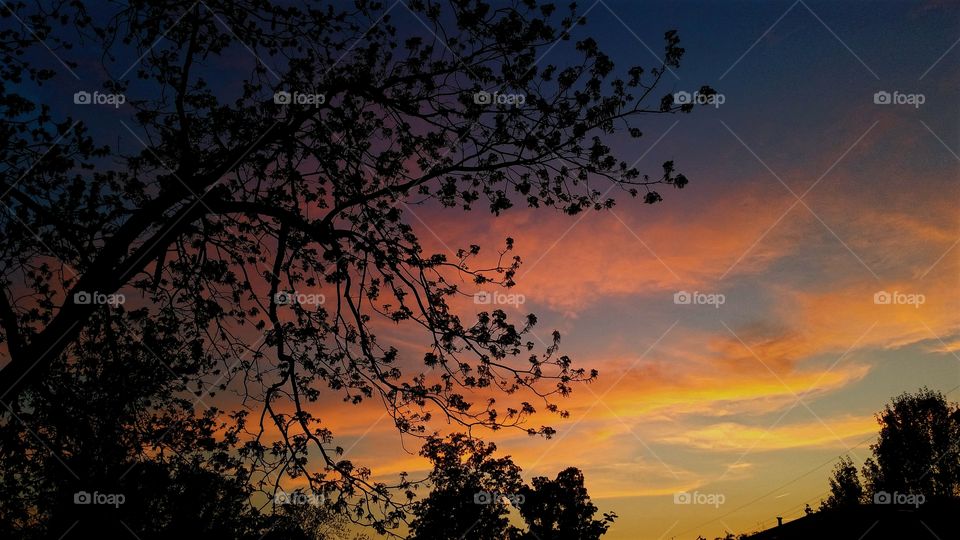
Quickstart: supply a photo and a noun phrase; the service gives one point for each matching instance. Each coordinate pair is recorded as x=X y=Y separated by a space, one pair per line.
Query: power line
x=765 y=495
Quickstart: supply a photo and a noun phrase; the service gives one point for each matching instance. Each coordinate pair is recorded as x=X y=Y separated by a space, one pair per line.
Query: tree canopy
x=229 y=197
x=916 y=453
x=121 y=427
x=918 y=450
x=560 y=509
x=469 y=490
x=472 y=494
x=845 y=487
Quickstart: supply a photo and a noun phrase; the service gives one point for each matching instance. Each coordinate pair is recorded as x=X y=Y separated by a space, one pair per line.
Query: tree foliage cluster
x=473 y=492
x=121 y=425
x=917 y=452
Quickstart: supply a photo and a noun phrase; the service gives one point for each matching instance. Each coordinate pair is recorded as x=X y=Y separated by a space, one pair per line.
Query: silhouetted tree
x=472 y=493
x=469 y=491
x=121 y=428
x=561 y=509
x=239 y=200
x=845 y=487
x=918 y=450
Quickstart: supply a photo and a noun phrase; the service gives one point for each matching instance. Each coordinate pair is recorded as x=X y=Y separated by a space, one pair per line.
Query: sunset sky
x=806 y=199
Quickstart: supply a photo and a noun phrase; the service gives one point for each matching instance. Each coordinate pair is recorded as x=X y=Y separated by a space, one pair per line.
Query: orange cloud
x=843 y=433
x=573 y=262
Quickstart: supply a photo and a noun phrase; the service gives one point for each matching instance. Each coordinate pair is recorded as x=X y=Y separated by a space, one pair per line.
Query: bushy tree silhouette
x=120 y=428
x=469 y=490
x=561 y=509
x=918 y=450
x=472 y=493
x=845 y=487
